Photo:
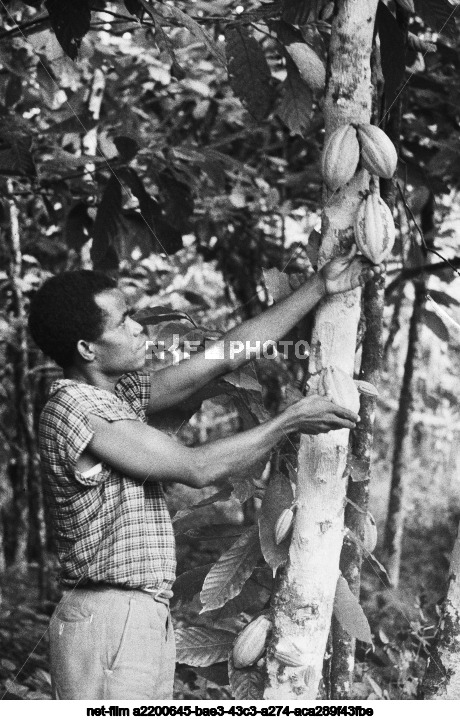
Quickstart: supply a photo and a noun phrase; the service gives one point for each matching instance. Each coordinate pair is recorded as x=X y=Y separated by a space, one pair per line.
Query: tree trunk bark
x=302 y=607
x=343 y=657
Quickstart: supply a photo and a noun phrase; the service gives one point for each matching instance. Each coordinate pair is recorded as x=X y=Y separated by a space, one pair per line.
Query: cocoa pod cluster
x=350 y=144
x=367 y=144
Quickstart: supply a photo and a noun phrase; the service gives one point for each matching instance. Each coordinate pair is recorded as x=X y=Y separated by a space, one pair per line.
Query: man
x=111 y=636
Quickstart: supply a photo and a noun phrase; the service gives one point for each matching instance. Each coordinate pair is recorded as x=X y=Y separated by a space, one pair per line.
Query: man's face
x=121 y=347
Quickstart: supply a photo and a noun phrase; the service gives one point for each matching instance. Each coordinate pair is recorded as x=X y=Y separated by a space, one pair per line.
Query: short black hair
x=64 y=311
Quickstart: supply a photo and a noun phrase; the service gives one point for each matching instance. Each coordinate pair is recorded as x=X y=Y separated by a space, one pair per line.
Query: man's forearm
x=174 y=384
x=273 y=323
x=220 y=459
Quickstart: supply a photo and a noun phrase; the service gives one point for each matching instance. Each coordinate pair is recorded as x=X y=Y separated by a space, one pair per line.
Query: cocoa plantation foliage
x=202 y=152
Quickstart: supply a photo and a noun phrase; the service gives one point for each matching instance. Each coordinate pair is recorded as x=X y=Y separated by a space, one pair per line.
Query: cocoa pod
x=340 y=157
x=378 y=154
x=289 y=652
x=309 y=64
x=327 y=11
x=339 y=387
x=370 y=533
x=374 y=228
x=407 y=5
x=423 y=46
x=284 y=525
x=367 y=389
x=250 y=643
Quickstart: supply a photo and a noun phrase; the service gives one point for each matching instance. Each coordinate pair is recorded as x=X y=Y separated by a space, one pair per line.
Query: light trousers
x=110 y=643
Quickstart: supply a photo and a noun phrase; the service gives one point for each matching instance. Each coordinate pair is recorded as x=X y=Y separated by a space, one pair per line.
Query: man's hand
x=346 y=272
x=316 y=414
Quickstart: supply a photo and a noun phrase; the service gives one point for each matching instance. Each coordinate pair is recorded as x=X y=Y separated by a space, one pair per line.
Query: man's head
x=79 y=318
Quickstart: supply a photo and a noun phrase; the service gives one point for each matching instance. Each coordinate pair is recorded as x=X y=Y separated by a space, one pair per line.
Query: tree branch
x=411 y=273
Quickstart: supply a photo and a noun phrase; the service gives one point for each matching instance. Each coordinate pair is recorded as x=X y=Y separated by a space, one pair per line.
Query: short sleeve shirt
x=109 y=528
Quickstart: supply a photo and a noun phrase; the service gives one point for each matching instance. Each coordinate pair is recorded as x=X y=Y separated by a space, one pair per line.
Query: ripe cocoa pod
x=309 y=64
x=378 y=154
x=367 y=389
x=407 y=5
x=283 y=525
x=374 y=228
x=370 y=533
x=339 y=387
x=340 y=157
x=289 y=652
x=250 y=643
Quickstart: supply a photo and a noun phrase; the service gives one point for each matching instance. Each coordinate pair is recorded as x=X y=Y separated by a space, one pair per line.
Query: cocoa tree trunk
x=442 y=677
x=343 y=656
x=302 y=606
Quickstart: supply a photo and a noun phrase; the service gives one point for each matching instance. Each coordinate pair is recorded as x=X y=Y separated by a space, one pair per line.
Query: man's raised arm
x=178 y=382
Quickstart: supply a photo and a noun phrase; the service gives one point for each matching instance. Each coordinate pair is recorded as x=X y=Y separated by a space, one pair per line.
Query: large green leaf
x=227 y=577
x=199 y=646
x=249 y=73
x=277 y=498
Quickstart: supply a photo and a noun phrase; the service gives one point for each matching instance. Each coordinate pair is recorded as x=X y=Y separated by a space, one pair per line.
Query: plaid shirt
x=109 y=528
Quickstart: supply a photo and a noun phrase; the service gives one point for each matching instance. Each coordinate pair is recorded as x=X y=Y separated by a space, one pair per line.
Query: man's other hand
x=316 y=414
x=347 y=271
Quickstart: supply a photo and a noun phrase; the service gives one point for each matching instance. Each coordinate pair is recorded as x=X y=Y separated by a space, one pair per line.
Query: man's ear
x=85 y=350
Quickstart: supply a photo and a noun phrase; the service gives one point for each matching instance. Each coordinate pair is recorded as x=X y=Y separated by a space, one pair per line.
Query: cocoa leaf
x=78 y=226
x=349 y=613
x=436 y=325
x=159 y=314
x=296 y=103
x=392 y=51
x=70 y=20
x=169 y=12
x=249 y=73
x=313 y=245
x=443 y=298
x=189 y=583
x=277 y=498
x=439 y=15
x=246 y=684
x=223 y=494
x=277 y=283
x=229 y=574
x=108 y=221
x=127 y=147
x=199 y=646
